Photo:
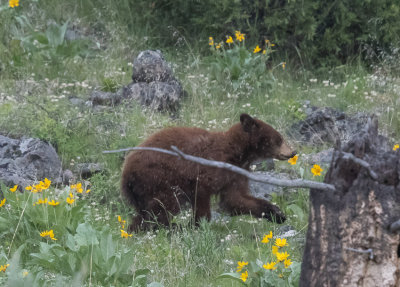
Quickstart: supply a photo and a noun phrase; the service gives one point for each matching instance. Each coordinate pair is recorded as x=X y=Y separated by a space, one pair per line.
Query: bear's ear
x=247 y=122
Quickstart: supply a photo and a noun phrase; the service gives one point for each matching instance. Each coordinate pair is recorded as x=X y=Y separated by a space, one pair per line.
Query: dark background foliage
x=309 y=32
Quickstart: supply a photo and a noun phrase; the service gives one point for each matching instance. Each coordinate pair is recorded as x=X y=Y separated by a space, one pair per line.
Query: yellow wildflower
x=316 y=170
x=211 y=41
x=41 y=201
x=240 y=266
x=283 y=65
x=25 y=273
x=122 y=222
x=48 y=233
x=125 y=234
x=239 y=36
x=2 y=202
x=70 y=200
x=275 y=249
x=256 y=49
x=282 y=256
x=264 y=52
x=229 y=40
x=4 y=267
x=28 y=188
x=267 y=237
x=270 y=266
x=395 y=147
x=53 y=203
x=281 y=242
x=87 y=191
x=13 y=3
x=293 y=160
x=47 y=183
x=218 y=46
x=13 y=189
x=244 y=276
x=71 y=195
x=287 y=263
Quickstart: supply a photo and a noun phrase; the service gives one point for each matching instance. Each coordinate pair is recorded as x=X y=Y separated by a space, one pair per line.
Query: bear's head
x=265 y=141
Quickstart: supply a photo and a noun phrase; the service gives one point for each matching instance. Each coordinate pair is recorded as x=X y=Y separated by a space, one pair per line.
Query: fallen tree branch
x=361 y=162
x=296 y=183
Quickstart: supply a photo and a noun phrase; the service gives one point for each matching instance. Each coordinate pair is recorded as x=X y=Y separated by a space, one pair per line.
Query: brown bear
x=158 y=184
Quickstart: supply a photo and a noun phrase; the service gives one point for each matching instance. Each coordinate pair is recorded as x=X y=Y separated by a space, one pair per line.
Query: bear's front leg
x=201 y=207
x=237 y=201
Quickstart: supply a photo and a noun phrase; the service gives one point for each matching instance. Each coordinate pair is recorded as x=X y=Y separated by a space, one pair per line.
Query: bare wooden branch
x=395 y=226
x=296 y=183
x=361 y=162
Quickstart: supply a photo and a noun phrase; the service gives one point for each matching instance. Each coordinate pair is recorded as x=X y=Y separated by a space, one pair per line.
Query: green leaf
x=56 y=33
x=85 y=235
x=107 y=246
x=155 y=284
x=233 y=276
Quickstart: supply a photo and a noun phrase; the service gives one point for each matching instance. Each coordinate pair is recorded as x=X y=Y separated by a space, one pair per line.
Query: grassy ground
x=40 y=72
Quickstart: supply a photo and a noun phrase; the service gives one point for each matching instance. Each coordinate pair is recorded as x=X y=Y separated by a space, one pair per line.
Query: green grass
x=36 y=85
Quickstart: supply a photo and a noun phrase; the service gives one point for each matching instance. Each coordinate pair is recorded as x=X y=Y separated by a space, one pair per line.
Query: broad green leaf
x=233 y=276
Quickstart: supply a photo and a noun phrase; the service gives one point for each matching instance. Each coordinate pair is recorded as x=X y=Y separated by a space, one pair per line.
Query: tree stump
x=352 y=237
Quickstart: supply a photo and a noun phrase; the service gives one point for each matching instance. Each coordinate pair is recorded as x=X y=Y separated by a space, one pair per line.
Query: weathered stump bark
x=351 y=238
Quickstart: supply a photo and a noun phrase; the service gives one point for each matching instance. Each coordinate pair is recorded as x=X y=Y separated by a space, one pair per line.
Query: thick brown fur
x=157 y=184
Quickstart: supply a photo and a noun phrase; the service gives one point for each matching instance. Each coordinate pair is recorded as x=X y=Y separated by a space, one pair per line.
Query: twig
x=395 y=226
x=361 y=162
x=369 y=251
x=296 y=183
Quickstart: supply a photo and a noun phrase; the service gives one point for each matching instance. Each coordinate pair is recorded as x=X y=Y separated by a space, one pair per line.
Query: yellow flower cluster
x=44 y=201
x=241 y=265
x=13 y=3
x=280 y=256
x=395 y=147
x=48 y=233
x=75 y=188
x=13 y=189
x=2 y=202
x=78 y=188
x=70 y=199
x=41 y=186
x=4 y=267
x=229 y=40
x=124 y=234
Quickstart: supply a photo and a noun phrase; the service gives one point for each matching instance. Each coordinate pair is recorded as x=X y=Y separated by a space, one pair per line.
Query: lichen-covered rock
x=327 y=125
x=27 y=160
x=105 y=98
x=158 y=96
x=150 y=66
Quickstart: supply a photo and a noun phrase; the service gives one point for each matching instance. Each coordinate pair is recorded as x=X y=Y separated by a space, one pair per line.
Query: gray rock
x=28 y=160
x=264 y=190
x=86 y=170
x=77 y=101
x=150 y=66
x=68 y=177
x=105 y=98
x=153 y=85
x=327 y=125
x=322 y=157
x=158 y=96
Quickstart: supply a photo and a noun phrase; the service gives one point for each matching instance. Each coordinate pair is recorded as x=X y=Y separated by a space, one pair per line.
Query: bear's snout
x=285 y=152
